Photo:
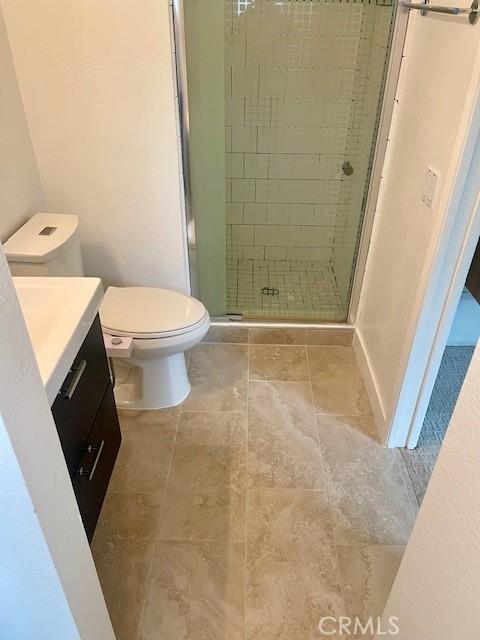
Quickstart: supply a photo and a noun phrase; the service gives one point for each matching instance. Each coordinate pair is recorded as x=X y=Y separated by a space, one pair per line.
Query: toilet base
x=151 y=384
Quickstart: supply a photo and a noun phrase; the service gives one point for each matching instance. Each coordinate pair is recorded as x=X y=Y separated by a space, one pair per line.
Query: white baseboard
x=371 y=386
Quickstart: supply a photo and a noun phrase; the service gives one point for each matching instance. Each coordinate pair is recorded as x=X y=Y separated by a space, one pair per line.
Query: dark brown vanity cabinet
x=87 y=423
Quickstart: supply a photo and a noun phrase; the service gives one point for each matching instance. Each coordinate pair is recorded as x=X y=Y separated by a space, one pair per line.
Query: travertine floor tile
x=139 y=418
x=230 y=335
x=340 y=337
x=277 y=336
x=368 y=572
x=196 y=592
x=293 y=575
x=279 y=402
x=370 y=500
x=283 y=449
x=210 y=450
x=205 y=497
x=218 y=373
x=123 y=547
x=145 y=453
x=295 y=524
x=286 y=600
x=312 y=508
x=336 y=381
x=273 y=362
x=217 y=513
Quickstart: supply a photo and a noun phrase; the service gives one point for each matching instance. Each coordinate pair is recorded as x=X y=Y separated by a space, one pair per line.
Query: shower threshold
x=264 y=323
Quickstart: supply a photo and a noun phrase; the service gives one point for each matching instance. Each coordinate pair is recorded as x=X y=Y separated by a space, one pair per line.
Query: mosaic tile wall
x=298 y=77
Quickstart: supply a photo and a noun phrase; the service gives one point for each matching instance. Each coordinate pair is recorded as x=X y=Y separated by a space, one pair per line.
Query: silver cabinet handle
x=79 y=371
x=97 y=458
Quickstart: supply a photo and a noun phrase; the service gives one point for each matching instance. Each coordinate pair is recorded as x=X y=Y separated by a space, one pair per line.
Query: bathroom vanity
x=61 y=315
x=87 y=423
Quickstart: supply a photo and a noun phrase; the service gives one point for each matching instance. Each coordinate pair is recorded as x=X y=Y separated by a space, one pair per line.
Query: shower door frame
x=394 y=63
x=400 y=23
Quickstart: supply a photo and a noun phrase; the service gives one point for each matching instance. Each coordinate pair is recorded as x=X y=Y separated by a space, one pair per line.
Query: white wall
x=96 y=80
x=437 y=589
x=32 y=602
x=434 y=105
x=49 y=588
x=20 y=189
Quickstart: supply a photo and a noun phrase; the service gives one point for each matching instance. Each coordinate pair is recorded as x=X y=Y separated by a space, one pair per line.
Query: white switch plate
x=430 y=187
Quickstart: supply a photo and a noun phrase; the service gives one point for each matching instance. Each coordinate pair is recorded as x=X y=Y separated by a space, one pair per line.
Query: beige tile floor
x=261 y=504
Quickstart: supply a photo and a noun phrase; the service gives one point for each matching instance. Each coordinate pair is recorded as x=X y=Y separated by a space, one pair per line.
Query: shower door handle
x=424 y=8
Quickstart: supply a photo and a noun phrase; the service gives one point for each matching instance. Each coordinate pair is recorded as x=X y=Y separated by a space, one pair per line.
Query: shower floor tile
x=299 y=289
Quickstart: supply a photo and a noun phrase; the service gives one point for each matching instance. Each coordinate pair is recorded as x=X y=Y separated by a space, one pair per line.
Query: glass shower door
x=292 y=90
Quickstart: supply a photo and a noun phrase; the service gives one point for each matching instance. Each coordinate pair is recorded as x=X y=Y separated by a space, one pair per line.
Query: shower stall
x=280 y=102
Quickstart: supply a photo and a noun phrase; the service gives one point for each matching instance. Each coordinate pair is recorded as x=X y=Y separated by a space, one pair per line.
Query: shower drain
x=270 y=291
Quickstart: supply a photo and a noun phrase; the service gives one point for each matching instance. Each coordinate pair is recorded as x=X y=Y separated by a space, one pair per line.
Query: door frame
x=456 y=247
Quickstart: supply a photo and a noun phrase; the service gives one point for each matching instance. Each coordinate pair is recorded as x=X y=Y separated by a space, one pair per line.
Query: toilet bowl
x=159 y=324
x=162 y=324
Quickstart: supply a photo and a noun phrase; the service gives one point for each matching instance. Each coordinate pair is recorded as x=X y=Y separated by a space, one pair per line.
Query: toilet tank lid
x=43 y=237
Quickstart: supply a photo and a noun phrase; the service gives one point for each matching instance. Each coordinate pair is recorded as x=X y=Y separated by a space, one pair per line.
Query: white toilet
x=149 y=328
x=163 y=325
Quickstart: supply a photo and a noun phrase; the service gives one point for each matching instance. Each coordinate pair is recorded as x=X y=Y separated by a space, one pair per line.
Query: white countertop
x=58 y=313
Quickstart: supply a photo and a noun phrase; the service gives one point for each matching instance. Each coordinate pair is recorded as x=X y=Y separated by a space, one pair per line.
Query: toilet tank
x=46 y=245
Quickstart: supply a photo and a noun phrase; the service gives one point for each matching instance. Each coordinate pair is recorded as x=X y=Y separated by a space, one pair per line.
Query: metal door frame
x=400 y=24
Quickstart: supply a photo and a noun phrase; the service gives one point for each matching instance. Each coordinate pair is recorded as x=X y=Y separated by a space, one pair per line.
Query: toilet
x=162 y=325
x=146 y=329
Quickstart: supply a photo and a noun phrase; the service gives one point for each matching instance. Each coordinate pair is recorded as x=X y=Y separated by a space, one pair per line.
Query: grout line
x=247 y=492
x=220 y=540
x=213 y=411
x=278 y=344
x=309 y=369
x=157 y=530
x=327 y=491
x=288 y=489
x=276 y=380
x=343 y=415
x=239 y=343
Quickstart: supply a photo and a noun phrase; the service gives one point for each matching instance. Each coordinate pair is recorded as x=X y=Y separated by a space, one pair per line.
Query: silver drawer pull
x=79 y=371
x=97 y=458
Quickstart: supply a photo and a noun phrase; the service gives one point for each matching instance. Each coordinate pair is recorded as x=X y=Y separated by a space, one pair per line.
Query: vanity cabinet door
x=79 y=399
x=91 y=478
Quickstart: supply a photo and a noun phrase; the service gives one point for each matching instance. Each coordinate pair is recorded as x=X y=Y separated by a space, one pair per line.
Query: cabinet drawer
x=77 y=403
x=91 y=478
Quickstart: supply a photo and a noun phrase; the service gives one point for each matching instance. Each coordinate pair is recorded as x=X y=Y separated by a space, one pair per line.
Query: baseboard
x=371 y=386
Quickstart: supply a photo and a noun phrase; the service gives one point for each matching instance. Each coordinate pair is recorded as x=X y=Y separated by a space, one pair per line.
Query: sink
x=58 y=313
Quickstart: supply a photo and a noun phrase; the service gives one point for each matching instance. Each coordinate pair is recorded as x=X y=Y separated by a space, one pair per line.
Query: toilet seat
x=146 y=313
